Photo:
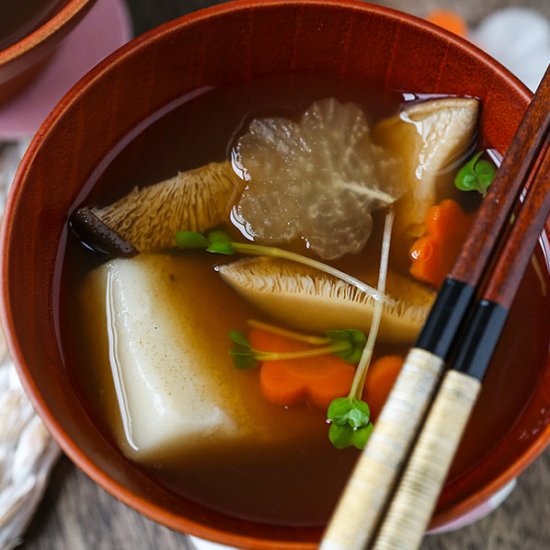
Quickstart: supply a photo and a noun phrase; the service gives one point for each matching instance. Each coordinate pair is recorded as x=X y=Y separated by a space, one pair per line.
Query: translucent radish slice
x=317 y=179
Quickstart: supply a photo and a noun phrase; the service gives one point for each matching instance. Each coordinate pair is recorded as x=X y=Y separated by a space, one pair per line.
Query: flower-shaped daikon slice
x=317 y=179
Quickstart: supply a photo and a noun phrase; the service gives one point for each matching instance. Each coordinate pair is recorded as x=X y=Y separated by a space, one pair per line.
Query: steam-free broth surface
x=295 y=476
x=19 y=18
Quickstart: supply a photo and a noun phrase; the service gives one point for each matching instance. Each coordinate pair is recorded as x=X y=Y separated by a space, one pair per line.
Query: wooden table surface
x=77 y=515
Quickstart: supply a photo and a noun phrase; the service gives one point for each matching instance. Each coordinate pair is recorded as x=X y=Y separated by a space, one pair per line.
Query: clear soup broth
x=296 y=482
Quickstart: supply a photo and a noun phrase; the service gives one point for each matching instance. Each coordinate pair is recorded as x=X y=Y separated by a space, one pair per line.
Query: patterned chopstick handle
x=415 y=497
x=365 y=496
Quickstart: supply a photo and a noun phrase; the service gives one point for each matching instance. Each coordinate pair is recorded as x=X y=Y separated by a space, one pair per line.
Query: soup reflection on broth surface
x=18 y=19
x=249 y=243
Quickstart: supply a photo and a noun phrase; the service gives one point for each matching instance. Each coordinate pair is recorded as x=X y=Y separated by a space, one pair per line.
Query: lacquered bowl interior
x=232 y=43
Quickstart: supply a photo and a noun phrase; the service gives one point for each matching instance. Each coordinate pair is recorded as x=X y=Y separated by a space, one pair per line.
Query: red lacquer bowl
x=23 y=60
x=231 y=43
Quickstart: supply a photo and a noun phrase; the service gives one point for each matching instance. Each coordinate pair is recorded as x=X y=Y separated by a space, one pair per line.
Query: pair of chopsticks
x=392 y=492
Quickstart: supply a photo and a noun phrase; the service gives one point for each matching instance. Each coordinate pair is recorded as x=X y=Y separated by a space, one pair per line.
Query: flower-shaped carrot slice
x=317 y=380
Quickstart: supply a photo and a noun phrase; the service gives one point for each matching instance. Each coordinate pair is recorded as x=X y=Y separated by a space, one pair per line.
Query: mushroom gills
x=312 y=301
x=147 y=219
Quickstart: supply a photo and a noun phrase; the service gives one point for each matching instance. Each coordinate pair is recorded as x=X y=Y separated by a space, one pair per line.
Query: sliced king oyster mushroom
x=313 y=301
x=316 y=179
x=147 y=219
x=431 y=137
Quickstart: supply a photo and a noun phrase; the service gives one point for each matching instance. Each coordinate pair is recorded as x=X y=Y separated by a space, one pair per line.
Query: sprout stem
x=356 y=390
x=219 y=242
x=273 y=252
x=275 y=356
x=314 y=340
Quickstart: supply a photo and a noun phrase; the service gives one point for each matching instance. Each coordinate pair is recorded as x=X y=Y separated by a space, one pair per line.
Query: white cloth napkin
x=27 y=452
x=520 y=39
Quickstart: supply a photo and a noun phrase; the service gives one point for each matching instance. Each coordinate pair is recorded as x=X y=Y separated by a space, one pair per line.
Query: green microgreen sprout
x=219 y=242
x=350 y=424
x=346 y=344
x=476 y=175
x=191 y=239
x=241 y=351
x=349 y=417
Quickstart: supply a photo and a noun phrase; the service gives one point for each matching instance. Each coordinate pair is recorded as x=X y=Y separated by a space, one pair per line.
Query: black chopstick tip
x=479 y=339
x=443 y=322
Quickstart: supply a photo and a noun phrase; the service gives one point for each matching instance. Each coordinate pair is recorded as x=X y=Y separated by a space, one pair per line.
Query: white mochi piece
x=159 y=367
x=163 y=394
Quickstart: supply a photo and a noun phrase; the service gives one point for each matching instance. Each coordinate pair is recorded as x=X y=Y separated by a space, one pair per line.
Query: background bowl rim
x=78 y=456
x=48 y=28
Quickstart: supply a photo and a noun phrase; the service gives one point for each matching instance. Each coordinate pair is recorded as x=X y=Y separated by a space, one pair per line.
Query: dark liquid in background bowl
x=18 y=18
x=299 y=484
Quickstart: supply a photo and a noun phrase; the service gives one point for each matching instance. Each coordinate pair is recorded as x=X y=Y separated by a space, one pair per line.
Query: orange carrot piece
x=268 y=341
x=449 y=20
x=278 y=386
x=317 y=380
x=380 y=379
x=434 y=254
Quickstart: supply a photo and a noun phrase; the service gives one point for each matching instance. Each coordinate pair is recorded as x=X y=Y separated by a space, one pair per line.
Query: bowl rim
x=82 y=460
x=48 y=28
